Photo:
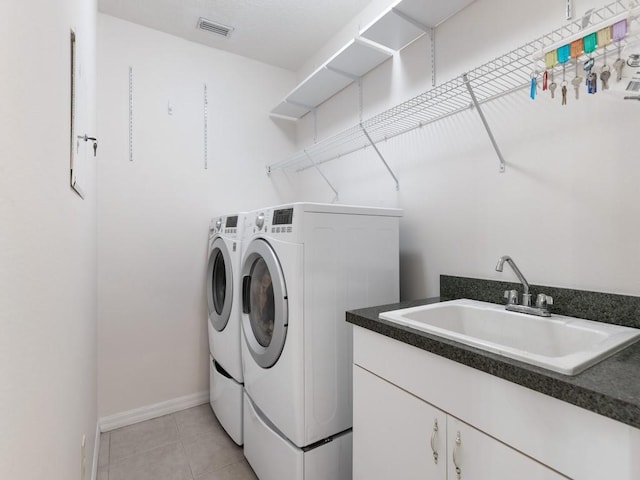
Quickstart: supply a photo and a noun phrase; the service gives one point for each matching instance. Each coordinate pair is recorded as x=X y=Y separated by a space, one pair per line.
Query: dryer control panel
x=282 y=220
x=276 y=221
x=283 y=217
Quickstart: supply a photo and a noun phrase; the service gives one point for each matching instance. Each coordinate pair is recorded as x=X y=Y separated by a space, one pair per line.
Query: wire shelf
x=501 y=76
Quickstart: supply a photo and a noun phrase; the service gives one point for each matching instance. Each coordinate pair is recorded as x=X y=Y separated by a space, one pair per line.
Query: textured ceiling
x=283 y=33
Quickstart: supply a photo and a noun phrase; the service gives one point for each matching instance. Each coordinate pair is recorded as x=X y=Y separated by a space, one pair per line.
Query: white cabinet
x=398 y=435
x=506 y=431
x=392 y=432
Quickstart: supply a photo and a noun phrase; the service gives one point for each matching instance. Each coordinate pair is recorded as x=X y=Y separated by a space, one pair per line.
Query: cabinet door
x=481 y=457
x=393 y=432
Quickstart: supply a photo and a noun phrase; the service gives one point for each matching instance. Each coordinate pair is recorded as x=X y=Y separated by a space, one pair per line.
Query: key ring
x=588 y=64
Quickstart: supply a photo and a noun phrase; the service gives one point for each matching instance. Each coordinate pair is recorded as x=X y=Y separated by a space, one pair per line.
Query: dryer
x=303 y=266
x=223 y=300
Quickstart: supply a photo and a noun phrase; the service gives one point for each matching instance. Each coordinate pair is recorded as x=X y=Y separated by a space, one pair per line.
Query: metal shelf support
x=321 y=174
x=568 y=9
x=366 y=134
x=432 y=42
x=476 y=104
x=131 y=114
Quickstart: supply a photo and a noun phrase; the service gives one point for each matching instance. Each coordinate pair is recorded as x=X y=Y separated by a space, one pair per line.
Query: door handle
x=456 y=449
x=246 y=289
x=433 y=441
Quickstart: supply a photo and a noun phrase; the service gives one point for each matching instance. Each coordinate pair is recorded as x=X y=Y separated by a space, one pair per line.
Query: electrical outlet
x=83 y=458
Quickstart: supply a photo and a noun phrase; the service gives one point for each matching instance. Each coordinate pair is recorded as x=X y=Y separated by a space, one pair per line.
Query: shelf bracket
x=131 y=114
x=350 y=76
x=465 y=78
x=366 y=134
x=321 y=174
x=432 y=35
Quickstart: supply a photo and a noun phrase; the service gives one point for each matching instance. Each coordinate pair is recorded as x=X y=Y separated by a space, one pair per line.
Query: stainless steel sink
x=563 y=344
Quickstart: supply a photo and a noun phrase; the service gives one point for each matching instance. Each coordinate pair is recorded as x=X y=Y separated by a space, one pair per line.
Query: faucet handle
x=542 y=300
x=511 y=296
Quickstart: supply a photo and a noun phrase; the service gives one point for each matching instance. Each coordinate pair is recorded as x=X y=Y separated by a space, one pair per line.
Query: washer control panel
x=231 y=225
x=228 y=225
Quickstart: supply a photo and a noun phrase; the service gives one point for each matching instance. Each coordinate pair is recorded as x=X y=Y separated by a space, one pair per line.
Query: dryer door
x=264 y=303
x=219 y=284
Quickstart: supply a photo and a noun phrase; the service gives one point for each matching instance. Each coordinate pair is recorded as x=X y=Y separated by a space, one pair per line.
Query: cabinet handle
x=433 y=441
x=455 y=455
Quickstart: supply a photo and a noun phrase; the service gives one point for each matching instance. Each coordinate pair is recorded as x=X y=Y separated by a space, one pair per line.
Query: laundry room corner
x=158 y=187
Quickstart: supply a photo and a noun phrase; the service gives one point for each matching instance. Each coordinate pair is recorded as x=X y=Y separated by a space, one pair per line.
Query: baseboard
x=96 y=453
x=141 y=414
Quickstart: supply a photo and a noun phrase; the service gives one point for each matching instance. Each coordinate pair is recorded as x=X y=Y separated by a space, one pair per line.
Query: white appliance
x=223 y=299
x=303 y=266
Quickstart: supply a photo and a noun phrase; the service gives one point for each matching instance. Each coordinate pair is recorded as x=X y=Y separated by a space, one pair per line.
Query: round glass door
x=264 y=303
x=219 y=284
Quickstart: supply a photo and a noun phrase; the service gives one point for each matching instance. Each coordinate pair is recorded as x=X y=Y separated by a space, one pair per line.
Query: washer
x=223 y=299
x=303 y=266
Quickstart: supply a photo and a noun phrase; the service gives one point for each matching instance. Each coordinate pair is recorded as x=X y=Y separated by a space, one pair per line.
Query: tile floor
x=186 y=445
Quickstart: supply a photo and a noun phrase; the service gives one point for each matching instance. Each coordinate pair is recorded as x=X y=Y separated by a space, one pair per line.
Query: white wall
x=47 y=245
x=567 y=207
x=155 y=211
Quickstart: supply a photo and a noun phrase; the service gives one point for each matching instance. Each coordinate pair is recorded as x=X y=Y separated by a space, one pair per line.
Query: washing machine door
x=264 y=303
x=219 y=284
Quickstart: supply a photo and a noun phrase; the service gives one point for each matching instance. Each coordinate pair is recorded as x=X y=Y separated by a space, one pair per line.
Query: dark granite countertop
x=610 y=388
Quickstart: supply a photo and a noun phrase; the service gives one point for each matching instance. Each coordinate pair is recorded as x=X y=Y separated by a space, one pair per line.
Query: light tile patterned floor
x=186 y=445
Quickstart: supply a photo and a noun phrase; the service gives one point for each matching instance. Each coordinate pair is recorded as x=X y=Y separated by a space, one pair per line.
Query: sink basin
x=563 y=344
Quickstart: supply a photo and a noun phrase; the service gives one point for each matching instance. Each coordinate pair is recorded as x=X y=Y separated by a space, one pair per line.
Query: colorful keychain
x=534 y=86
x=550 y=59
x=576 y=48
x=619 y=30
x=590 y=43
x=604 y=37
x=563 y=54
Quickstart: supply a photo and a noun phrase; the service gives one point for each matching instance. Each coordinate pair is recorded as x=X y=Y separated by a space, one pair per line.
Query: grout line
x=181 y=441
x=186 y=455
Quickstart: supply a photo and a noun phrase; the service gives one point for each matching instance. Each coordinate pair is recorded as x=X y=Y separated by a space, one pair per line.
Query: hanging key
x=618 y=65
x=605 y=75
x=588 y=66
x=564 y=93
x=552 y=86
x=87 y=138
x=592 y=83
x=577 y=83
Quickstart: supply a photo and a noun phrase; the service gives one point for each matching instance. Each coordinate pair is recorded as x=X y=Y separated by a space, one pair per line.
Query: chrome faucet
x=542 y=301
x=526 y=296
